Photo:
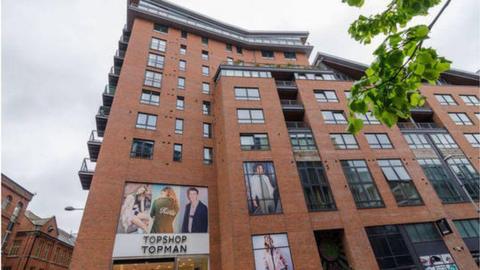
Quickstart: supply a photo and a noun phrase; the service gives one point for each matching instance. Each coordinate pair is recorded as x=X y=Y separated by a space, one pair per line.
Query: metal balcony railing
x=423 y=109
x=120 y=54
x=110 y=90
x=291 y=102
x=115 y=70
x=124 y=38
x=103 y=111
x=409 y=125
x=285 y=84
x=88 y=166
x=297 y=125
x=94 y=138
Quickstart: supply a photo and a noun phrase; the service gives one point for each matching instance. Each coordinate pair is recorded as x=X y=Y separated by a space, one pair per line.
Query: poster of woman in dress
x=262 y=189
x=271 y=252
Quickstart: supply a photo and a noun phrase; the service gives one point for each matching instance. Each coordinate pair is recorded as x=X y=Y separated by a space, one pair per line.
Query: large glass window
x=467 y=175
x=334 y=117
x=445 y=99
x=142 y=149
x=160 y=28
x=272 y=252
x=460 y=119
x=15 y=247
x=378 y=141
x=417 y=141
x=390 y=248
x=302 y=141
x=267 y=54
x=447 y=190
x=400 y=182
x=290 y=55
x=344 y=141
x=470 y=100
x=153 y=79
x=146 y=121
x=262 y=189
x=422 y=232
x=155 y=60
x=361 y=184
x=468 y=228
x=316 y=189
x=325 y=96
x=473 y=139
x=179 y=126
x=443 y=140
x=254 y=141
x=150 y=97
x=242 y=93
x=250 y=116
x=158 y=44
x=368 y=118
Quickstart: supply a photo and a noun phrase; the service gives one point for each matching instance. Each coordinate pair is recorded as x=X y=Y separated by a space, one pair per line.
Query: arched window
x=6 y=202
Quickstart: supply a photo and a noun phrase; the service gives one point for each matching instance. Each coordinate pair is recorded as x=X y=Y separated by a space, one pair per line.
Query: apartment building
x=222 y=148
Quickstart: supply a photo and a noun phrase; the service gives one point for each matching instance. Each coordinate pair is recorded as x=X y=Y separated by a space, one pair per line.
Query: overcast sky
x=56 y=55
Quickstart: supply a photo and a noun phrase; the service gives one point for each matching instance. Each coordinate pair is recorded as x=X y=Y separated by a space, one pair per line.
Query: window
x=422 y=232
x=207 y=130
x=155 y=60
x=142 y=149
x=179 y=126
x=6 y=202
x=246 y=73
x=228 y=47
x=250 y=116
x=182 y=65
x=153 y=79
x=184 y=34
x=204 y=55
x=247 y=93
x=177 y=152
x=470 y=100
x=205 y=88
x=344 y=141
x=207 y=155
x=262 y=190
x=239 y=50
x=400 y=182
x=368 y=119
x=473 y=139
x=334 y=117
x=329 y=77
x=361 y=184
x=183 y=49
x=180 y=103
x=467 y=175
x=205 y=70
x=445 y=99
x=160 y=28
x=181 y=83
x=229 y=61
x=416 y=141
x=15 y=247
x=460 y=119
x=204 y=41
x=290 y=55
x=150 y=97
x=325 y=96
x=254 y=141
x=378 y=141
x=267 y=54
x=468 y=228
x=206 y=108
x=302 y=141
x=443 y=141
x=442 y=182
x=316 y=189
x=282 y=259
x=146 y=121
x=158 y=44
x=390 y=248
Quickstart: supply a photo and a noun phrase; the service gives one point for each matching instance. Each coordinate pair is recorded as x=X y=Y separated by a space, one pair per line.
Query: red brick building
x=34 y=243
x=222 y=148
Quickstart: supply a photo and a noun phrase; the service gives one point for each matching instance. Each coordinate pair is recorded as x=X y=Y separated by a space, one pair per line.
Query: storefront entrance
x=179 y=263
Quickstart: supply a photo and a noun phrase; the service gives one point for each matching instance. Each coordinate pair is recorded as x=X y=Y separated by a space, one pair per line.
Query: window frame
x=207 y=155
x=205 y=70
x=177 y=154
x=461 y=121
x=158 y=44
x=248 y=91
x=339 y=141
x=142 y=154
x=473 y=139
x=260 y=141
x=316 y=182
x=179 y=125
x=334 y=120
x=153 y=80
x=360 y=184
x=443 y=99
x=147 y=125
x=250 y=120
x=470 y=100
x=180 y=103
x=326 y=98
x=400 y=185
x=207 y=133
x=377 y=142
x=150 y=94
x=181 y=81
x=156 y=60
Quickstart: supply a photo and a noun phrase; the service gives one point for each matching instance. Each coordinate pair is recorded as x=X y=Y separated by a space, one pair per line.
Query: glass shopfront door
x=179 y=263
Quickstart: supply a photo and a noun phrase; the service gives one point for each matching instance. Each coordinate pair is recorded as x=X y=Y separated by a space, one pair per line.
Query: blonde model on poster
x=273 y=257
x=135 y=210
x=164 y=210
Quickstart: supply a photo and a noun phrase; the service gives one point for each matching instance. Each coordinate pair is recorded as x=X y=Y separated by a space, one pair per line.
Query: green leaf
x=354 y=125
x=354 y=3
x=359 y=106
x=419 y=69
x=415 y=99
x=369 y=72
x=421 y=31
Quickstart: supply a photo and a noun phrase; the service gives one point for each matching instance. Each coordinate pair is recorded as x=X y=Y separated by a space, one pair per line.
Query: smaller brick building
x=32 y=242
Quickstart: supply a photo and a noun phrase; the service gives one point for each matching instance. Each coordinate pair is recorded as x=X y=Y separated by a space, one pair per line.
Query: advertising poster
x=262 y=189
x=438 y=262
x=271 y=252
x=162 y=220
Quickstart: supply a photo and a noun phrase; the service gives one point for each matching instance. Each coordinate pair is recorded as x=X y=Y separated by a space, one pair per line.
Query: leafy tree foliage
x=390 y=85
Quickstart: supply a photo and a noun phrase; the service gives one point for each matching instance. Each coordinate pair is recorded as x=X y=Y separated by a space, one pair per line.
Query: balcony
x=424 y=110
x=118 y=58
x=114 y=74
x=123 y=42
x=101 y=119
x=297 y=125
x=291 y=85
x=421 y=126
x=86 y=173
x=108 y=95
x=291 y=105
x=94 y=143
